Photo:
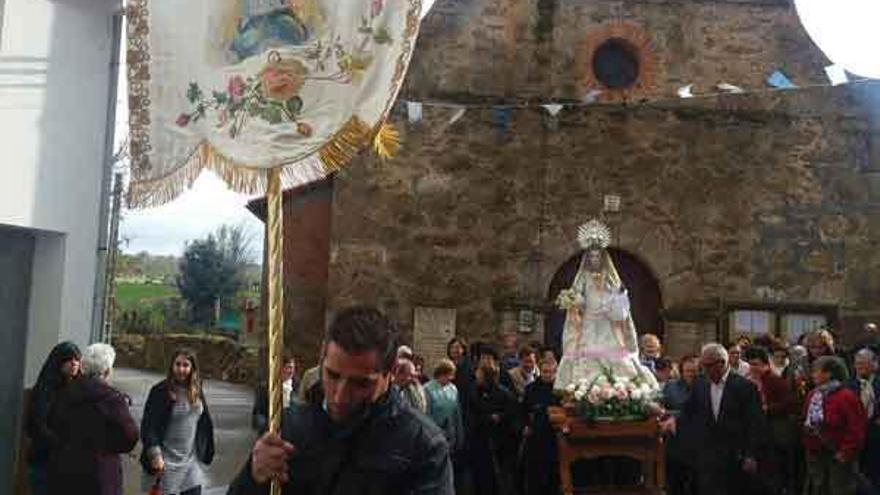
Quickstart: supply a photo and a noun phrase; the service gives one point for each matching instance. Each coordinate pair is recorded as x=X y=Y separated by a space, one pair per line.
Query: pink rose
x=283 y=80
x=183 y=119
x=236 y=87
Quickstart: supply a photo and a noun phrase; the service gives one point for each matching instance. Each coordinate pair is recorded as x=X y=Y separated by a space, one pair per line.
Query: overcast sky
x=195 y=214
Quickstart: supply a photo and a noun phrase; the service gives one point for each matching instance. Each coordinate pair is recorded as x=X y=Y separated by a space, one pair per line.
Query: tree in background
x=213 y=270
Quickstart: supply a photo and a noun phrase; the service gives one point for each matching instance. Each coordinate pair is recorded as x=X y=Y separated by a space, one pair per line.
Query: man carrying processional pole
x=273 y=94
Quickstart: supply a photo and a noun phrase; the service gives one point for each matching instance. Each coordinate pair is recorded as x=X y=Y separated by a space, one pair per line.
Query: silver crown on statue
x=594 y=234
x=262 y=7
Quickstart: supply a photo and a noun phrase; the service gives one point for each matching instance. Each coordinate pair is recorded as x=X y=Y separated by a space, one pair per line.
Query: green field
x=131 y=294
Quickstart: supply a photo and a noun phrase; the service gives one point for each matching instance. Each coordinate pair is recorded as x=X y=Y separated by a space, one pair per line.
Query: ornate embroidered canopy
x=241 y=86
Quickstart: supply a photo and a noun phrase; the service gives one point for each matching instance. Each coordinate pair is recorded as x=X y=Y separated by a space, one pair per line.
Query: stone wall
x=480 y=49
x=729 y=200
x=219 y=357
x=723 y=198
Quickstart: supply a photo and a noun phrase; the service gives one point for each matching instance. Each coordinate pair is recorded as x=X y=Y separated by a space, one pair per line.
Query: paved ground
x=230 y=407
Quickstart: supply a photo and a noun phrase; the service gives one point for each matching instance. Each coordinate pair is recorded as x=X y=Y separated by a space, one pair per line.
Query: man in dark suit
x=723 y=423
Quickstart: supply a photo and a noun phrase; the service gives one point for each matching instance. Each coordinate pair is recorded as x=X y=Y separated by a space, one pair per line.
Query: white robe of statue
x=599 y=334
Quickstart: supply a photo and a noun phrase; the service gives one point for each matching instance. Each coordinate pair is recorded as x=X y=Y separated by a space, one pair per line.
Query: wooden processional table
x=578 y=439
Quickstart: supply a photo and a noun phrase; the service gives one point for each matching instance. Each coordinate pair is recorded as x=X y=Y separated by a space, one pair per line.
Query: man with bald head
x=723 y=425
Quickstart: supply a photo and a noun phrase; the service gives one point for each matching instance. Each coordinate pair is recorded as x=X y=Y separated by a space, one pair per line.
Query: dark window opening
x=616 y=64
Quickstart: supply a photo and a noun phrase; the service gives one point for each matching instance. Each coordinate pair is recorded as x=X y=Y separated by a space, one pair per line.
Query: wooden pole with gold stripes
x=275 y=333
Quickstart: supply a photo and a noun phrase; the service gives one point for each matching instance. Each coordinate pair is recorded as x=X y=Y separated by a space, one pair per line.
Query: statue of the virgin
x=599 y=334
x=265 y=24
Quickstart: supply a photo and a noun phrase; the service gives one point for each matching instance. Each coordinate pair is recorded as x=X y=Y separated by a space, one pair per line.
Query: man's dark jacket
x=390 y=449
x=721 y=445
x=260 y=411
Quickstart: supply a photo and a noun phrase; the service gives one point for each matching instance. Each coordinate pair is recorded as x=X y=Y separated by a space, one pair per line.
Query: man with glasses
x=723 y=424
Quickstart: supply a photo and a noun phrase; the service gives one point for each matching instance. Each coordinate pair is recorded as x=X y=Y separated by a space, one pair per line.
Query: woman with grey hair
x=834 y=431
x=93 y=426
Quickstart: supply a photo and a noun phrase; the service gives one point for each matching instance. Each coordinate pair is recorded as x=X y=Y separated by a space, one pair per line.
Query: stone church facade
x=731 y=213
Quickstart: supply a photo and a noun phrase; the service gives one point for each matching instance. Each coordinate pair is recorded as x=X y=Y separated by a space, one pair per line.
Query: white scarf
x=866 y=394
x=816 y=409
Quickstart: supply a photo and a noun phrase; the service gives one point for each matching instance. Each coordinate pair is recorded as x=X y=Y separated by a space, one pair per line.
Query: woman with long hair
x=176 y=430
x=60 y=369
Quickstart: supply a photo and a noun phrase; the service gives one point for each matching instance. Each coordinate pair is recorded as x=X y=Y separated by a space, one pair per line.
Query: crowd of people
x=77 y=426
x=758 y=416
x=762 y=416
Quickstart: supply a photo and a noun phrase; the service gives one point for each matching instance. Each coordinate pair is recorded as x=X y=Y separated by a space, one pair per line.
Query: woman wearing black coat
x=493 y=424
x=60 y=369
x=176 y=430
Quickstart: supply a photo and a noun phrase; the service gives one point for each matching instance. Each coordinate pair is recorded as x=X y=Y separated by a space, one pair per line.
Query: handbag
x=156 y=489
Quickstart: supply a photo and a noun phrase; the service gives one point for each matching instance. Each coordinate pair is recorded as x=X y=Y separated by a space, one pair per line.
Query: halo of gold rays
x=636 y=38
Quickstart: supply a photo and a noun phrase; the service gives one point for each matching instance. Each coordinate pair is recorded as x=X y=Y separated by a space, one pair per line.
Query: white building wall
x=54 y=73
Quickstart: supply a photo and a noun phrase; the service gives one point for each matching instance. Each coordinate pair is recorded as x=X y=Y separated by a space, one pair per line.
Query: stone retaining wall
x=219 y=357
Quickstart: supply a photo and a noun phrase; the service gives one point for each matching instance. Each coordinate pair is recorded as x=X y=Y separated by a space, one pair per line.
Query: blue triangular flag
x=780 y=81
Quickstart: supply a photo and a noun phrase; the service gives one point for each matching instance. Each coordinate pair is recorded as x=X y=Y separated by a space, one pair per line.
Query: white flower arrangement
x=569 y=299
x=613 y=398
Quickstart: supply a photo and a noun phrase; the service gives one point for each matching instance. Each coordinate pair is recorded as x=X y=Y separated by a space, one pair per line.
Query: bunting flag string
x=684 y=92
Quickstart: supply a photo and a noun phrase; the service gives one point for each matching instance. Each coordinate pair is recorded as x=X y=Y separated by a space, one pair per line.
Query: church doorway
x=646 y=300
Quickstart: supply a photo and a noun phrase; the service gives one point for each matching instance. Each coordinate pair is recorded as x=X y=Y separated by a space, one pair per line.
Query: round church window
x=616 y=64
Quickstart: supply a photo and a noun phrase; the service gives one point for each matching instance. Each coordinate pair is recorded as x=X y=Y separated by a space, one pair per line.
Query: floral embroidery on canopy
x=240 y=86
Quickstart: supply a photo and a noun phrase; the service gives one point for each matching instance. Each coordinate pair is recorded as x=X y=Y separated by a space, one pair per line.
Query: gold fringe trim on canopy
x=386 y=144
x=350 y=140
x=345 y=144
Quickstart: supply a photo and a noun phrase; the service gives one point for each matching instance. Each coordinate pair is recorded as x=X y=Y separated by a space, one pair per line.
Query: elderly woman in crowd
x=407 y=381
x=443 y=405
x=60 y=369
x=834 y=430
x=493 y=422
x=176 y=430
x=866 y=385
x=92 y=426
x=780 y=405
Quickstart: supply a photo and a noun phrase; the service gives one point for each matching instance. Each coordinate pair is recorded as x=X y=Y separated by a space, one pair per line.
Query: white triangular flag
x=685 y=91
x=414 y=111
x=553 y=108
x=836 y=74
x=730 y=88
x=592 y=95
x=457 y=115
x=426 y=7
